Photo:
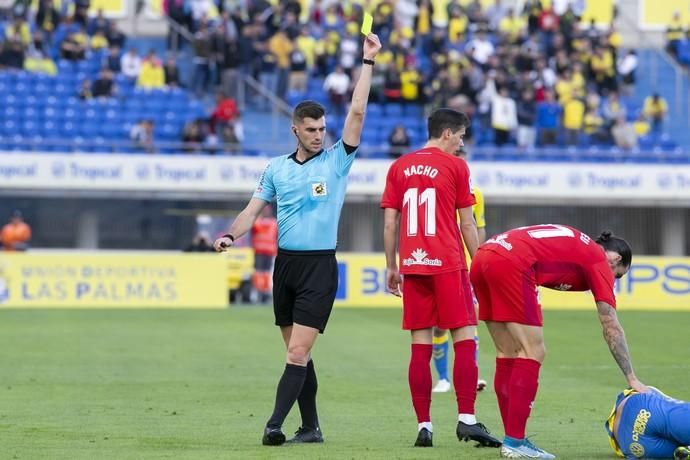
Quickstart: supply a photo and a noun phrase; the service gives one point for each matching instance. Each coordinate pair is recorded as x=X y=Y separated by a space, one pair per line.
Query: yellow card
x=366 y=23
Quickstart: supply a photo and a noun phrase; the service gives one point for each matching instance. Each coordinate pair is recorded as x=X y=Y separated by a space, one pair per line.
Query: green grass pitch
x=131 y=384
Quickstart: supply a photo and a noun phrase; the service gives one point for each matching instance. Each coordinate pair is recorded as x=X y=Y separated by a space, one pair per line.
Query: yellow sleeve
x=478 y=207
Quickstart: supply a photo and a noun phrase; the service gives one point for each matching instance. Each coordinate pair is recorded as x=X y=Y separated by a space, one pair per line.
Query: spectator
x=201 y=243
x=674 y=34
x=232 y=135
x=15 y=235
x=12 y=54
x=641 y=125
x=526 y=116
x=104 y=86
x=398 y=141
x=336 y=85
x=111 y=61
x=495 y=14
x=172 y=76
x=176 y=11
x=73 y=48
x=130 y=64
x=98 y=23
x=573 y=119
x=37 y=62
x=229 y=59
x=503 y=116
x=281 y=47
x=594 y=126
x=151 y=74
x=624 y=133
x=225 y=112
x=142 y=136
x=202 y=59
x=548 y=116
x=480 y=48
x=626 y=69
x=604 y=69
x=84 y=92
x=47 y=17
x=656 y=108
x=612 y=109
x=115 y=37
x=98 y=41
x=192 y=137
x=410 y=80
x=298 y=70
x=19 y=29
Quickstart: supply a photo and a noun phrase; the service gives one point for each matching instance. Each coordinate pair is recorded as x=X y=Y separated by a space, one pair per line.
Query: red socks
x=465 y=374
x=419 y=378
x=504 y=370
x=522 y=389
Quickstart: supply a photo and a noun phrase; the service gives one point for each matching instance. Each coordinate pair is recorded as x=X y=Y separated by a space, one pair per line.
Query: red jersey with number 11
x=428 y=186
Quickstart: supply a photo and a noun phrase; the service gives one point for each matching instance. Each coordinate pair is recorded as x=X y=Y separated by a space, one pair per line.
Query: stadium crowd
x=539 y=76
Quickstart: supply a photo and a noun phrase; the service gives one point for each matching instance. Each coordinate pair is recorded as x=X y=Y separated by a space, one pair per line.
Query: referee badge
x=319 y=189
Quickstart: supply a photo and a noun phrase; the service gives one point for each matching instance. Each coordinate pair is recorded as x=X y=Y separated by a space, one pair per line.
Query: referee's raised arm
x=355 y=117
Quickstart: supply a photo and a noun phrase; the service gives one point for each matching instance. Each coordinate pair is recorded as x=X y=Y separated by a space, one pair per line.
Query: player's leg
x=505 y=357
x=456 y=312
x=419 y=379
x=440 y=353
x=678 y=421
x=523 y=386
x=419 y=318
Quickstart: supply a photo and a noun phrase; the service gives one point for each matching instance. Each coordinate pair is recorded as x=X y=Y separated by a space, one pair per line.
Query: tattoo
x=615 y=337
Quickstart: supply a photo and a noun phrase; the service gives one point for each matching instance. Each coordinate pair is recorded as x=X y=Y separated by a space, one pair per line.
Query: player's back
x=428 y=186
x=560 y=257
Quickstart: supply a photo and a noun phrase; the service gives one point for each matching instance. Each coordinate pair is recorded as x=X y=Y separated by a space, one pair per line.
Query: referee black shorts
x=304 y=287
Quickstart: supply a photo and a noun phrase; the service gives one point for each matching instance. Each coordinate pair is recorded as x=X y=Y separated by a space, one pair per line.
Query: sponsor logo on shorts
x=639 y=427
x=419 y=257
x=637 y=449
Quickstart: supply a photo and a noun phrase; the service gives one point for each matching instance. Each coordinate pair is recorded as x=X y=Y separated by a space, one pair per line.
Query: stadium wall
x=173 y=280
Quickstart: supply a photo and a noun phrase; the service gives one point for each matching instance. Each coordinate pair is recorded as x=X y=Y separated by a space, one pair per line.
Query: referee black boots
x=306 y=434
x=273 y=437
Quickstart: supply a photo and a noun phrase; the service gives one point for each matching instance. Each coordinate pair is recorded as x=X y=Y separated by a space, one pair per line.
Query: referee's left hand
x=371 y=46
x=393 y=282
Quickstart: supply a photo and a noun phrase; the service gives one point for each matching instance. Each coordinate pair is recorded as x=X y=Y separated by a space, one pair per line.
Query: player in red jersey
x=424 y=191
x=506 y=273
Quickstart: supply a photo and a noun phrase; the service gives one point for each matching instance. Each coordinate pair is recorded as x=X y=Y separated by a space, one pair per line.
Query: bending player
x=505 y=273
x=440 y=351
x=649 y=425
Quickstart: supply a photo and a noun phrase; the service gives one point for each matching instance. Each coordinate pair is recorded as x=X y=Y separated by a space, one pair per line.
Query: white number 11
x=413 y=200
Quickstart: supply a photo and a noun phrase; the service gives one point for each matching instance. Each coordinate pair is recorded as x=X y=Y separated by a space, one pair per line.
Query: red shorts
x=505 y=292
x=443 y=300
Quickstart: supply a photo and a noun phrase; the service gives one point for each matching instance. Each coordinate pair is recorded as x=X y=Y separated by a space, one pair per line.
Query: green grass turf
x=132 y=384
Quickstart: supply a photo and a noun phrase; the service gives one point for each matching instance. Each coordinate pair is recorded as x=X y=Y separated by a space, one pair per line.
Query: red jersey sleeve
x=391 y=195
x=464 y=197
x=601 y=283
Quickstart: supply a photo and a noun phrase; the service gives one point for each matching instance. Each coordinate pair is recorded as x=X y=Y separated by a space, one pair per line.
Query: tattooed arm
x=615 y=338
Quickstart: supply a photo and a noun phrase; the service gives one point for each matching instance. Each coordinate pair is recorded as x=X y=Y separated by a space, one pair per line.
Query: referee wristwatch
x=368 y=61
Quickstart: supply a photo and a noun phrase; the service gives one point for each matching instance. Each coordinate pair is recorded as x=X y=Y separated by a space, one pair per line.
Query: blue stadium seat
x=393 y=110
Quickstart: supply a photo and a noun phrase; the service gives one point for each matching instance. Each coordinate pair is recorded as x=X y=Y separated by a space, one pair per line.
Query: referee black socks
x=289 y=389
x=307 y=398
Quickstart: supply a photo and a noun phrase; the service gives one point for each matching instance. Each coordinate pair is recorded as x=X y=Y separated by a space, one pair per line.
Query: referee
x=309 y=186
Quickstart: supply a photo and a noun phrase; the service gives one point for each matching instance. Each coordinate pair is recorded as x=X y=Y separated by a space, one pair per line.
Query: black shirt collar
x=293 y=157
